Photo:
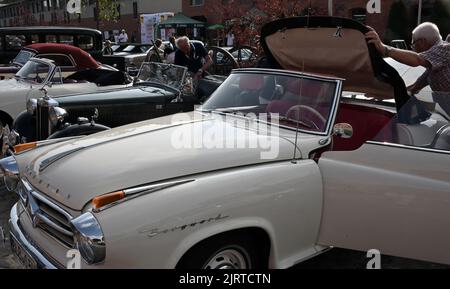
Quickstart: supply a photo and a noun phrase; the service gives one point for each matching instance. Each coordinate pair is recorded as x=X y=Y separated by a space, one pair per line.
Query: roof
x=82 y=59
x=180 y=20
x=52 y=28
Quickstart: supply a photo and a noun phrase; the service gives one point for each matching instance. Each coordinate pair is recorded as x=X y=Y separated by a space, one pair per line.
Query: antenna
x=298 y=113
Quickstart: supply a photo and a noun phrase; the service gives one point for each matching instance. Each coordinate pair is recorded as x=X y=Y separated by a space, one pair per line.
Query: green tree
x=441 y=16
x=398 y=23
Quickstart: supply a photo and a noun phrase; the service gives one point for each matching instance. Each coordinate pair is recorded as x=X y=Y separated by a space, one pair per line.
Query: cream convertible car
x=276 y=167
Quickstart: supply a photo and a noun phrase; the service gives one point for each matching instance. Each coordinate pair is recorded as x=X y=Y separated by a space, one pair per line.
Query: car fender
x=78 y=129
x=25 y=125
x=155 y=230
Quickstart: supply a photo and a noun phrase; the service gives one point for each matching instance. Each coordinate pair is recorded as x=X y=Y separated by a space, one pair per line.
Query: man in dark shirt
x=108 y=49
x=193 y=55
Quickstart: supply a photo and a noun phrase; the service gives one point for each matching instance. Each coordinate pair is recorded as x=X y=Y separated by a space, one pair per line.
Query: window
x=59 y=59
x=15 y=42
x=34 y=38
x=51 y=39
x=135 y=10
x=85 y=42
x=197 y=2
x=66 y=39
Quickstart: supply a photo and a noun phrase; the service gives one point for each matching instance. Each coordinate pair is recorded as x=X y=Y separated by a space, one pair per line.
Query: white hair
x=180 y=40
x=428 y=31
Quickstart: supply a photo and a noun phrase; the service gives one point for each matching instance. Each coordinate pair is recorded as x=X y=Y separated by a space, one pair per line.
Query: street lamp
x=330 y=7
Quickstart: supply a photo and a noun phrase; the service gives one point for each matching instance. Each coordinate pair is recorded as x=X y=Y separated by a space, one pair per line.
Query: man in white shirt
x=123 y=37
x=230 y=39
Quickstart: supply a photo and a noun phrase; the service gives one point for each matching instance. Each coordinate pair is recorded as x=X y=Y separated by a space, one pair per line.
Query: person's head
x=123 y=31
x=172 y=40
x=425 y=36
x=183 y=44
x=108 y=43
x=158 y=42
x=448 y=38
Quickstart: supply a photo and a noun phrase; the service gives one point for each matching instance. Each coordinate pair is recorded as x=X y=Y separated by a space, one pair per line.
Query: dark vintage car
x=159 y=89
x=13 y=39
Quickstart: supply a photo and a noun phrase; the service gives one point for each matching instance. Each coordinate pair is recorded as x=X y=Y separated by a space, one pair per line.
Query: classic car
x=159 y=89
x=132 y=61
x=88 y=76
x=13 y=39
x=277 y=166
x=69 y=58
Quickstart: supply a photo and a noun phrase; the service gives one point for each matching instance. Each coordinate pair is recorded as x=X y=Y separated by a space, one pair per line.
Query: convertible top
x=83 y=60
x=332 y=46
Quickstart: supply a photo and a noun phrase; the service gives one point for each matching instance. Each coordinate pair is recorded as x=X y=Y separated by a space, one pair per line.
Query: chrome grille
x=46 y=215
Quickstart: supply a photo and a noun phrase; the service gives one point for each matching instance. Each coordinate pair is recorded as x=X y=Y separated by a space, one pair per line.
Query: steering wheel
x=310 y=109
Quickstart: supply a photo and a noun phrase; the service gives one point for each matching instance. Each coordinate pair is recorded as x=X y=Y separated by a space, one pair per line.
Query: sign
x=149 y=22
x=74 y=6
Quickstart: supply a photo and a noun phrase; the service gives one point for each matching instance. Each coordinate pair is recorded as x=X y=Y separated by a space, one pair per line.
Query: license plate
x=24 y=257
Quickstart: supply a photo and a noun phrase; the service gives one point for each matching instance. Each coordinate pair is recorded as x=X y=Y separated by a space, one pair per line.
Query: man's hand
x=373 y=38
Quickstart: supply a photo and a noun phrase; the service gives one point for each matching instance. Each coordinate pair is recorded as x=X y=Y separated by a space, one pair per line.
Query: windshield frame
x=289 y=73
x=33 y=54
x=50 y=74
x=183 y=78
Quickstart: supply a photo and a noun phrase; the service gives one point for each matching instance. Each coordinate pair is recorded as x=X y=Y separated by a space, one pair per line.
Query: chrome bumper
x=17 y=233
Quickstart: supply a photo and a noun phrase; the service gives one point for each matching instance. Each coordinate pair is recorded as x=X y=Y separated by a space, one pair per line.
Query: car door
x=390 y=196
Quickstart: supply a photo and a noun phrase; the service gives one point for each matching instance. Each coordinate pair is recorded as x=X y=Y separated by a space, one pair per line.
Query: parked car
x=87 y=75
x=68 y=58
x=353 y=172
x=159 y=89
x=132 y=62
x=133 y=49
x=13 y=39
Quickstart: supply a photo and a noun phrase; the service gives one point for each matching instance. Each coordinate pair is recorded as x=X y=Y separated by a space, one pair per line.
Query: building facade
x=53 y=12
x=209 y=9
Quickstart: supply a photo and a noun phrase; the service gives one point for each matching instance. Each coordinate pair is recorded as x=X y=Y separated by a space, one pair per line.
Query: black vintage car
x=159 y=89
x=13 y=39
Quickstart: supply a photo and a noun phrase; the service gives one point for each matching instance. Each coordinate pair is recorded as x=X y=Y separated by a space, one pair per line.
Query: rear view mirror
x=343 y=130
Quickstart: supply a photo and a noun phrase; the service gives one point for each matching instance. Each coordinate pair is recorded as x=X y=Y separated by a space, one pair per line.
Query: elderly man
x=430 y=52
x=193 y=55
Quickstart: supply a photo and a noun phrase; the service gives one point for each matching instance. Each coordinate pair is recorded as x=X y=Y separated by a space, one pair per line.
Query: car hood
x=331 y=46
x=11 y=84
x=78 y=170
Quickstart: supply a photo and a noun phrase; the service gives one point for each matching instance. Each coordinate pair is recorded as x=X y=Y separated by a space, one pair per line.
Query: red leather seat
x=367 y=122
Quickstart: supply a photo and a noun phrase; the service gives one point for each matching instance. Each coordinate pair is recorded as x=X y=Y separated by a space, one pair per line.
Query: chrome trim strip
x=23 y=241
x=52 y=205
x=142 y=190
x=50 y=223
x=407 y=147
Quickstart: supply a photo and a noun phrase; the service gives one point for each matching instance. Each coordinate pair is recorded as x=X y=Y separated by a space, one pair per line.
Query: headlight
x=89 y=238
x=10 y=171
x=57 y=115
x=31 y=105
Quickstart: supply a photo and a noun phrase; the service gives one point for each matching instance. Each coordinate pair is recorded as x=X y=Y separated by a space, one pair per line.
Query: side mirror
x=343 y=130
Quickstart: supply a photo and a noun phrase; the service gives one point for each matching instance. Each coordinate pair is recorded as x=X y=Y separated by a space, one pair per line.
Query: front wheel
x=229 y=252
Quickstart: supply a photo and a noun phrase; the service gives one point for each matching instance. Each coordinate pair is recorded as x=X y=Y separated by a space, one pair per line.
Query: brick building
x=53 y=12
x=207 y=9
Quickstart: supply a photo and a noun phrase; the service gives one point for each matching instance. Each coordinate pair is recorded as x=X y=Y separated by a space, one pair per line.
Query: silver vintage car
x=278 y=165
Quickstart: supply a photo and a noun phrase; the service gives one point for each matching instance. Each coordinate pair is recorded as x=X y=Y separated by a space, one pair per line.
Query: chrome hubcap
x=227 y=259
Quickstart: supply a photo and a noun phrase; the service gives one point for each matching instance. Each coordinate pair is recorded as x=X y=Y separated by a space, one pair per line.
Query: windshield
x=34 y=71
x=296 y=101
x=167 y=74
x=23 y=57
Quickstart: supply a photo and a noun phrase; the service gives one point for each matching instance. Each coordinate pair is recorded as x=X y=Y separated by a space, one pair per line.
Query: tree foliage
x=441 y=16
x=398 y=22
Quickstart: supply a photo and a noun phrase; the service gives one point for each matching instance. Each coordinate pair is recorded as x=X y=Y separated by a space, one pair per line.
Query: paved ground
x=333 y=259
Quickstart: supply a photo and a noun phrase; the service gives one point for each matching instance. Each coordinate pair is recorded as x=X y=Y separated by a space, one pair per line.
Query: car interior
x=369 y=122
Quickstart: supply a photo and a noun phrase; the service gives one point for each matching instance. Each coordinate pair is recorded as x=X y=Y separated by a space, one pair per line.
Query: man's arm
x=407 y=57
x=420 y=83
